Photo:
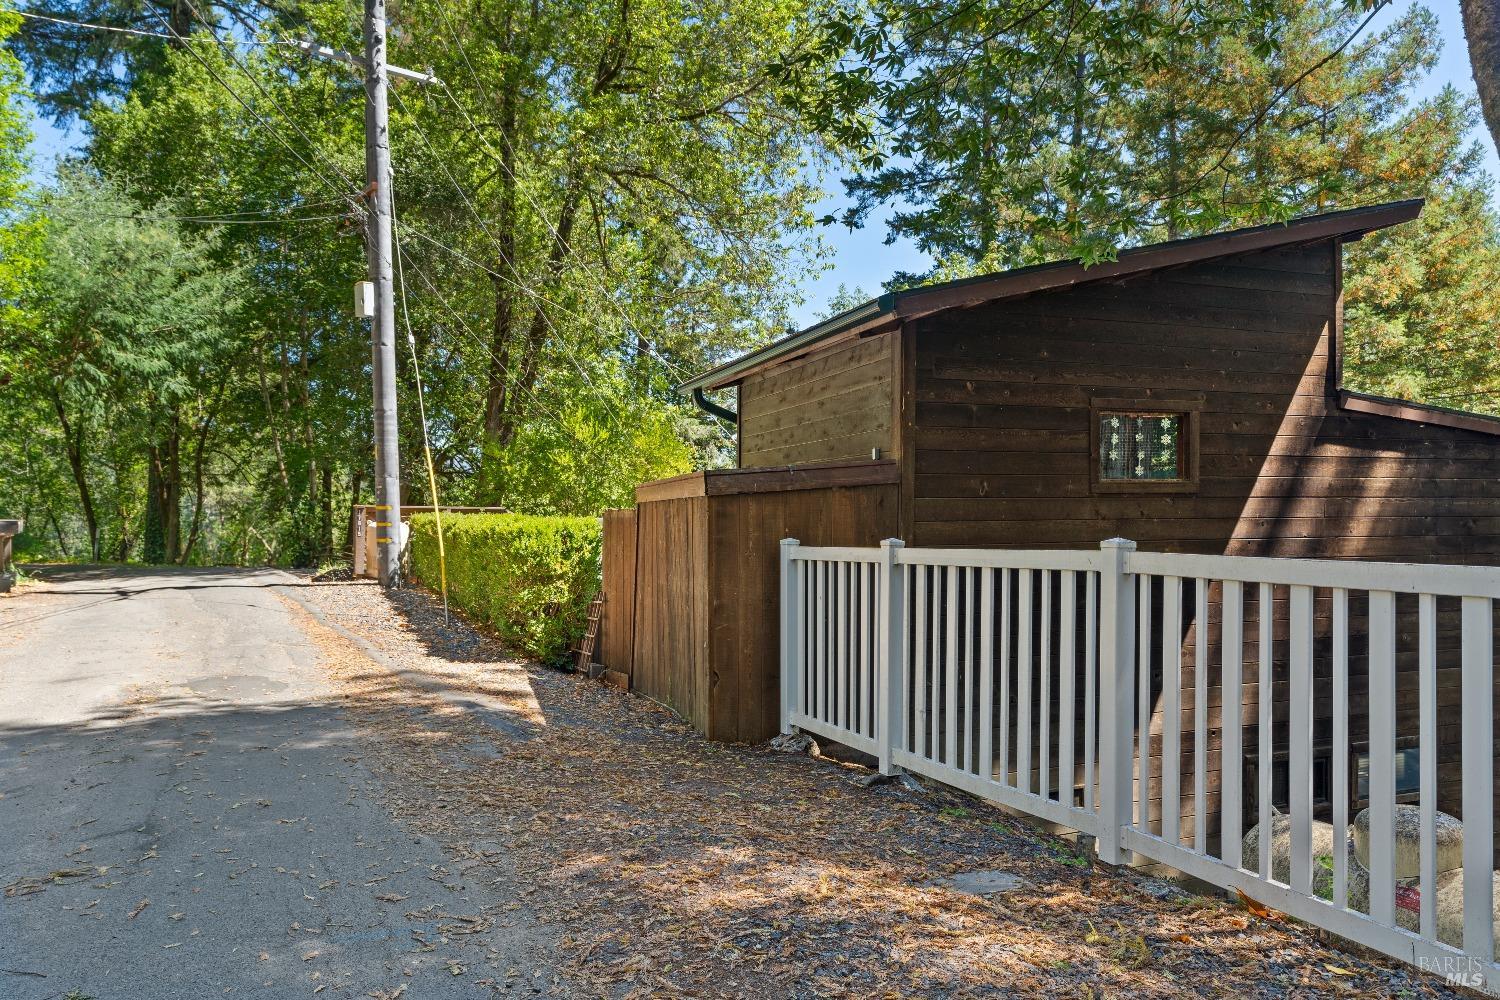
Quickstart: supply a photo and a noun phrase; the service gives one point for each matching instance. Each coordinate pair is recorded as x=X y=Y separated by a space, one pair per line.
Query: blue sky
x=861 y=257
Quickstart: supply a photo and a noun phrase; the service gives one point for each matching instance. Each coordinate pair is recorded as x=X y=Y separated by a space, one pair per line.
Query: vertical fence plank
x=986 y=673
x=1005 y=647
x=1090 y=687
x=950 y=674
x=1067 y=670
x=869 y=632
x=841 y=642
x=1299 y=739
x=1232 y=738
x=1044 y=665
x=919 y=665
x=1117 y=669
x=1171 y=709
x=1382 y=754
x=1340 y=628
x=1024 y=582
x=1265 y=616
x=890 y=664
x=1143 y=709
x=935 y=667
x=1200 y=716
x=791 y=671
x=821 y=570
x=1478 y=669
x=971 y=659
x=1427 y=748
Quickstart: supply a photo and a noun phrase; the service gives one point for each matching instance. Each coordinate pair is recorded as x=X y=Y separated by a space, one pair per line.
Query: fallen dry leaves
x=671 y=866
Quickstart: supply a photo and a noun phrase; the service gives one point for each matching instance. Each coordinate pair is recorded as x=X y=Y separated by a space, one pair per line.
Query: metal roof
x=1348 y=224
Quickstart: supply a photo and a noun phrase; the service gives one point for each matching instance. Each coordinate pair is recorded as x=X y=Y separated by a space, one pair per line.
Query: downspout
x=714 y=409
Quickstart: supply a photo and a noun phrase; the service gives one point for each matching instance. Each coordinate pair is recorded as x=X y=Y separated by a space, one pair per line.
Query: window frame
x=1188 y=409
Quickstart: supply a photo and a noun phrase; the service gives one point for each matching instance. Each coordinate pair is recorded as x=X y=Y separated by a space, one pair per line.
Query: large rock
x=1281 y=846
x=1408 y=862
x=1449 y=903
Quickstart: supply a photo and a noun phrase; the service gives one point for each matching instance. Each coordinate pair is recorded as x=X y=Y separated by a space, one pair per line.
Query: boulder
x=1449 y=904
x=1281 y=846
x=1408 y=863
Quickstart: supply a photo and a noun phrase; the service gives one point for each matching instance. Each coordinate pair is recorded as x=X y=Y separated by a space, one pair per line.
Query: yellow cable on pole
x=437 y=513
x=416 y=370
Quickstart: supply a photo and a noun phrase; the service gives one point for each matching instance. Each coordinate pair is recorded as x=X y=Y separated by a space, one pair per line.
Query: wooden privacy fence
x=1077 y=686
x=690 y=580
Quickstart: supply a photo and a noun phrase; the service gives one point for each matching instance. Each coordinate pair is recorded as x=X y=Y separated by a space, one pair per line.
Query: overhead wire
x=674 y=369
x=135 y=31
x=521 y=286
x=416 y=370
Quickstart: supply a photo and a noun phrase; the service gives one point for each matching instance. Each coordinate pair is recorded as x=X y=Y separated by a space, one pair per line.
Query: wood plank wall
x=1002 y=457
x=671 y=606
x=706 y=632
x=745 y=531
x=831 y=405
x=617 y=620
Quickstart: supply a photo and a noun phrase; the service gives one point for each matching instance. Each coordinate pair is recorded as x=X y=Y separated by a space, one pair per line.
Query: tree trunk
x=73 y=445
x=171 y=510
x=153 y=537
x=541 y=322
x=496 y=398
x=1482 y=29
x=200 y=453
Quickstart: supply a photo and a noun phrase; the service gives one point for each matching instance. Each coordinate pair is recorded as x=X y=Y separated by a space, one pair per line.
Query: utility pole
x=378 y=250
x=383 y=326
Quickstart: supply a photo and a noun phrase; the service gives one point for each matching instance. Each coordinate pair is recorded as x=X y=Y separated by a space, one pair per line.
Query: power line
x=203 y=220
x=672 y=367
x=261 y=120
x=229 y=51
x=174 y=37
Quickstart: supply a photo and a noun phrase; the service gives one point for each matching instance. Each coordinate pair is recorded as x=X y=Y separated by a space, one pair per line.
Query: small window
x=1145 y=445
x=1141 y=446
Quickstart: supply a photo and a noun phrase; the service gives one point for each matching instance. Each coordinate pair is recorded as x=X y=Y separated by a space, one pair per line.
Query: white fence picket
x=943 y=662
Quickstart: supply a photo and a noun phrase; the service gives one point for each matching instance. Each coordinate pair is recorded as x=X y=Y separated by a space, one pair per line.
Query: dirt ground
x=672 y=866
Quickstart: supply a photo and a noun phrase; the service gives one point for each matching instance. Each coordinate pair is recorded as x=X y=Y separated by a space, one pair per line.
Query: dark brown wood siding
x=1003 y=395
x=1002 y=459
x=828 y=406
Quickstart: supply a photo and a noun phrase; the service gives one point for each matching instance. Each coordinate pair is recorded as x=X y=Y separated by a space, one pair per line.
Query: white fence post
x=791 y=676
x=1116 y=696
x=890 y=669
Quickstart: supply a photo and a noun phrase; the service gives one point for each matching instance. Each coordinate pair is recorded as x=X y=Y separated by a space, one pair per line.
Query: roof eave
x=717 y=378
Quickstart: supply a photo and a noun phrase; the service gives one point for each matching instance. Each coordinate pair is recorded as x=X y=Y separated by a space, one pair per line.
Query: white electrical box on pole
x=375 y=298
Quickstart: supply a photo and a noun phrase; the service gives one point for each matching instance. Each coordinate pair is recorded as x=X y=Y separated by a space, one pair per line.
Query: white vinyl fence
x=1118 y=693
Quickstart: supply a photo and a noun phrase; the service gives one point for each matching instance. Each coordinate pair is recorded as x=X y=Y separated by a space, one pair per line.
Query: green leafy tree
x=127 y=316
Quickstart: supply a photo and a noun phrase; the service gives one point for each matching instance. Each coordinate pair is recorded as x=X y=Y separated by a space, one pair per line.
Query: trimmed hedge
x=530 y=578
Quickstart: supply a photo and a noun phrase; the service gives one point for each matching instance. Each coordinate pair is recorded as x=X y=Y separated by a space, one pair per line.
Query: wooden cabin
x=1186 y=396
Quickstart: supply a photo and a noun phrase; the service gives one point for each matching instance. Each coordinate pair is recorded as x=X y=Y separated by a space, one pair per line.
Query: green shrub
x=530 y=578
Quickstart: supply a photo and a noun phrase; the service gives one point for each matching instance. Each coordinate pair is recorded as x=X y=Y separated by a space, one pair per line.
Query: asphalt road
x=184 y=812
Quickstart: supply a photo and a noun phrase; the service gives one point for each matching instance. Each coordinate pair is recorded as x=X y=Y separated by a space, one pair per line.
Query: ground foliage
x=530 y=578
